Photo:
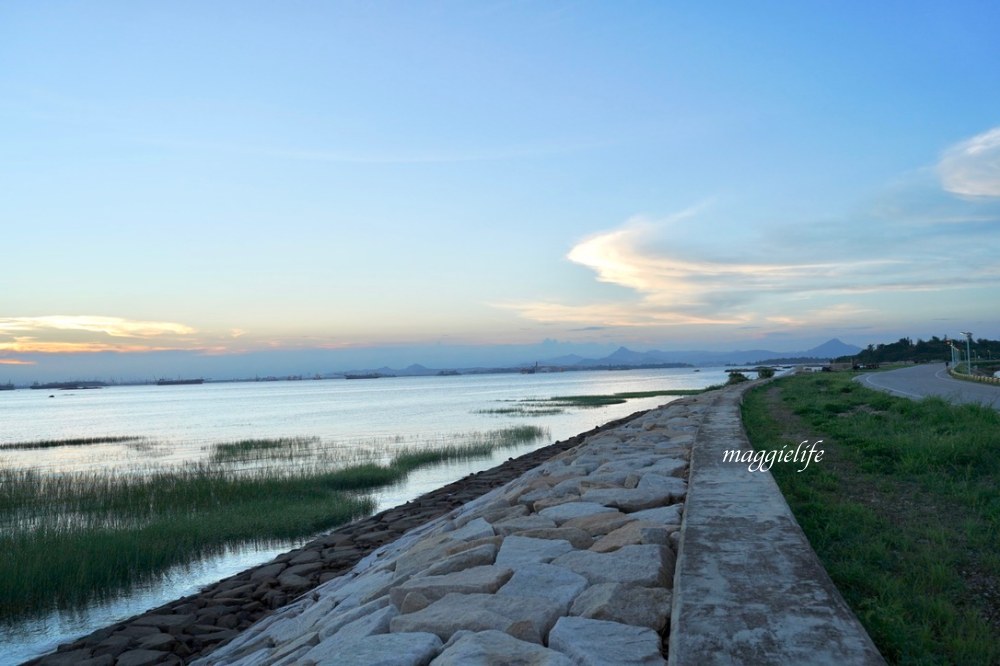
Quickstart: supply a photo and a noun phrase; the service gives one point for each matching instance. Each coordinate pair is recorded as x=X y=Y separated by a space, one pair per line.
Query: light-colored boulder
x=665 y=515
x=492 y=512
x=396 y=649
x=474 y=529
x=565 y=512
x=529 y=522
x=489 y=579
x=677 y=467
x=638 y=606
x=599 y=643
x=307 y=640
x=599 y=524
x=557 y=584
x=465 y=559
x=495 y=648
x=677 y=487
x=630 y=499
x=629 y=534
x=376 y=622
x=577 y=537
x=332 y=623
x=526 y=618
x=517 y=551
x=648 y=566
x=362 y=589
x=455 y=547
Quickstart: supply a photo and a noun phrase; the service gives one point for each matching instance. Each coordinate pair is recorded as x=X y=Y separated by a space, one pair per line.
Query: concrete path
x=749 y=589
x=931 y=379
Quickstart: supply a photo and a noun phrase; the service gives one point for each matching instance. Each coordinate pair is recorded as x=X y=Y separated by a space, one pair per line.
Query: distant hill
x=624 y=356
x=832 y=349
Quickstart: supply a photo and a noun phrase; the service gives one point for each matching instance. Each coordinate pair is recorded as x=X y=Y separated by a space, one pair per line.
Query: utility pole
x=968 y=352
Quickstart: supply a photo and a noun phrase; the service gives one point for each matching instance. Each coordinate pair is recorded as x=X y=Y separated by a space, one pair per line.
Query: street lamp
x=968 y=352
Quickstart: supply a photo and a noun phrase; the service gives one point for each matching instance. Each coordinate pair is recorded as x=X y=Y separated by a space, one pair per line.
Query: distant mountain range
x=624 y=357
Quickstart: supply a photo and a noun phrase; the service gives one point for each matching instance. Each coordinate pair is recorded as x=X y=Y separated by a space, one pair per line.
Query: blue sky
x=230 y=177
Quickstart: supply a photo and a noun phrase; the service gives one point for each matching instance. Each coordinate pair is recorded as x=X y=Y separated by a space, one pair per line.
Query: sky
x=195 y=180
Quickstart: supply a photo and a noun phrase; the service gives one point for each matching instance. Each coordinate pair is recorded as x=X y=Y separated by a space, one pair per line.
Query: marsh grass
x=478 y=446
x=903 y=510
x=283 y=448
x=590 y=401
x=69 y=539
x=87 y=536
x=522 y=411
x=76 y=441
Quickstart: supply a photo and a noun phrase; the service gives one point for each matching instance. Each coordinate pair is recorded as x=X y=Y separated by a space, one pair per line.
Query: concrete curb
x=748 y=587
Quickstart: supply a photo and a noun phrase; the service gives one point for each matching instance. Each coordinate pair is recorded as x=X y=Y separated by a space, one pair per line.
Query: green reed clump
x=282 y=448
x=476 y=445
x=521 y=411
x=73 y=441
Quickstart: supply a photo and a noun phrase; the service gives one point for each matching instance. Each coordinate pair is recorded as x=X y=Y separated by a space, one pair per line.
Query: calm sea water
x=182 y=422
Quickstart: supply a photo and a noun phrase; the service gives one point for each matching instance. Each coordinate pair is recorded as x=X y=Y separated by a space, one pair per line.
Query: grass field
x=68 y=539
x=903 y=510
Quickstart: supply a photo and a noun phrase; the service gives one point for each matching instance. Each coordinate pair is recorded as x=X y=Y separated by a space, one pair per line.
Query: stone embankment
x=571 y=563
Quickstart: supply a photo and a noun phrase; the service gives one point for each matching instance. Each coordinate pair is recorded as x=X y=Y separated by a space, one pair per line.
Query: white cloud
x=115 y=327
x=972 y=167
x=692 y=270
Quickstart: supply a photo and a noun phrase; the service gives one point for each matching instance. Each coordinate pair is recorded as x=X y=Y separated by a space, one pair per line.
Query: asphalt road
x=921 y=381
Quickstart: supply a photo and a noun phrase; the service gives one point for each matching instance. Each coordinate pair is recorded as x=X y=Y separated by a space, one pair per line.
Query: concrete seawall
x=749 y=588
x=640 y=546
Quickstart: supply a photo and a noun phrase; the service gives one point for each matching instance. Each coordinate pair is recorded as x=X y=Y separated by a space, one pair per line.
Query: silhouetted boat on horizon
x=175 y=382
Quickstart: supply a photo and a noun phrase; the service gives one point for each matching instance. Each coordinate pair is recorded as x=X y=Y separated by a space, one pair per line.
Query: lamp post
x=968 y=352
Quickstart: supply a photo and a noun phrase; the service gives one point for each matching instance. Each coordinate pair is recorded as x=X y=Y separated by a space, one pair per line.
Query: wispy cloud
x=89 y=334
x=115 y=327
x=972 y=167
x=15 y=361
x=683 y=282
x=29 y=345
x=699 y=267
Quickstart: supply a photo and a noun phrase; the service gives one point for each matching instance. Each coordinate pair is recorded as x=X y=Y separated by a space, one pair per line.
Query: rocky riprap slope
x=571 y=563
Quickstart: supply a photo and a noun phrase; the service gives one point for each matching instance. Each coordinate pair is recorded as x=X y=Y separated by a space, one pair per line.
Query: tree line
x=924 y=351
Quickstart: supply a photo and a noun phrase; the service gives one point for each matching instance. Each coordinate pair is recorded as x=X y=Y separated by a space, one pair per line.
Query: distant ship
x=368 y=375
x=175 y=382
x=69 y=386
x=7 y=387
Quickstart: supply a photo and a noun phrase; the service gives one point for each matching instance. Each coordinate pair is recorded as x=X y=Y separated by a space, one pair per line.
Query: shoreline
x=196 y=624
